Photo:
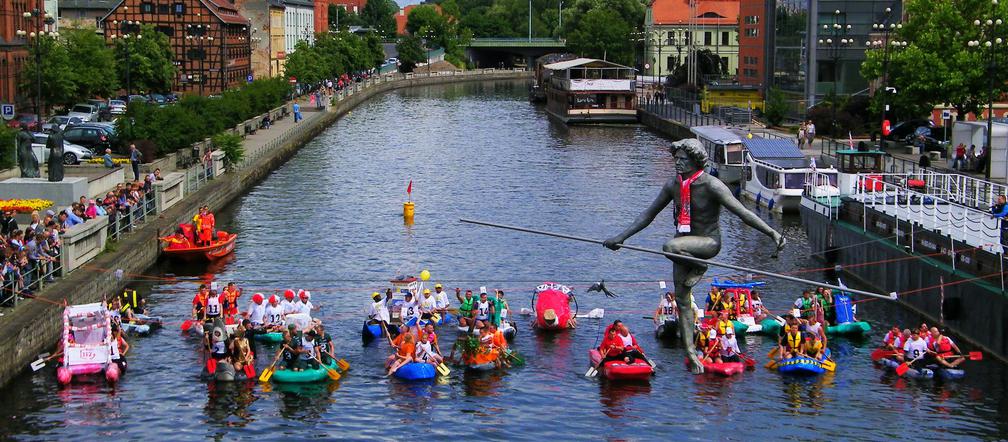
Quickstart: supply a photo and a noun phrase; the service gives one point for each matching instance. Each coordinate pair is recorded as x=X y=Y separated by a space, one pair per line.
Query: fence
x=669 y=110
x=18 y=283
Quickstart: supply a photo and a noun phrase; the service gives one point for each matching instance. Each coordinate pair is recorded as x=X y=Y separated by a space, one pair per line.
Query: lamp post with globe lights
x=883 y=32
x=835 y=44
x=990 y=41
x=40 y=29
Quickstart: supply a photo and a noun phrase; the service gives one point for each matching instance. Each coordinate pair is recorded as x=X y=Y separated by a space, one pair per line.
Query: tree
x=380 y=14
x=709 y=65
x=426 y=17
x=148 y=58
x=338 y=15
x=775 y=108
x=57 y=77
x=410 y=51
x=92 y=63
x=937 y=66
x=601 y=28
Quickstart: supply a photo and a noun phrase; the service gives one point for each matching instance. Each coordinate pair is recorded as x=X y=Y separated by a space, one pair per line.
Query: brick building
x=322 y=11
x=266 y=19
x=753 y=51
x=14 y=49
x=211 y=40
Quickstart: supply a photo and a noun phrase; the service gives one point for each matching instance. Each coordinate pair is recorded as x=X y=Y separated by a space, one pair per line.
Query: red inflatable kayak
x=722 y=368
x=552 y=306
x=619 y=370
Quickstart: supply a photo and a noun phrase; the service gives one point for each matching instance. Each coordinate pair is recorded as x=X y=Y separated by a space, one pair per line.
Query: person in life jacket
x=712 y=346
x=914 y=349
x=231 y=295
x=890 y=340
x=813 y=346
x=946 y=352
x=482 y=311
x=256 y=312
x=825 y=298
x=404 y=353
x=805 y=305
x=700 y=337
x=790 y=341
x=424 y=351
x=178 y=240
x=199 y=301
x=465 y=307
x=714 y=300
x=205 y=226
x=274 y=315
x=723 y=323
x=429 y=331
x=667 y=310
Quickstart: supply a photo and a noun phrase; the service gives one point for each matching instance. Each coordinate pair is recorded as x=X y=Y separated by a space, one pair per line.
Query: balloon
x=425 y=275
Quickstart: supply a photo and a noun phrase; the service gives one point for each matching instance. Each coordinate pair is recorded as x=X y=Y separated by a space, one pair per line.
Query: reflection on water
x=615 y=397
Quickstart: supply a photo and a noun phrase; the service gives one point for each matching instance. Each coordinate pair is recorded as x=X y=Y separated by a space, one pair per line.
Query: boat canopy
x=736 y=285
x=716 y=134
x=778 y=148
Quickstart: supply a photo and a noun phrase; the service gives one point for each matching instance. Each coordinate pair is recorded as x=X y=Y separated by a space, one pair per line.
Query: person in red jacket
x=620 y=344
x=947 y=353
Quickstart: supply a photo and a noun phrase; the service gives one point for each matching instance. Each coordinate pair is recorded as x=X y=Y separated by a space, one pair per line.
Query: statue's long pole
x=891 y=296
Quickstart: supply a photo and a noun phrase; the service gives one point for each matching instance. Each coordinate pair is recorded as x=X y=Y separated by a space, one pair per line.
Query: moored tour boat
x=220 y=247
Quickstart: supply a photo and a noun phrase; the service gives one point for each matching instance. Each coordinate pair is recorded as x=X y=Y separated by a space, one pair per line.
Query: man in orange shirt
x=231 y=295
x=199 y=301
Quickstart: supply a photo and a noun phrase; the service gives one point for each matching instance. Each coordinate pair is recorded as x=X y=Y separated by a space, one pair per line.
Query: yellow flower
x=25 y=205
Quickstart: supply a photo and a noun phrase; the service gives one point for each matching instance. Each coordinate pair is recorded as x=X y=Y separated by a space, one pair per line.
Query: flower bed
x=25 y=206
x=101 y=160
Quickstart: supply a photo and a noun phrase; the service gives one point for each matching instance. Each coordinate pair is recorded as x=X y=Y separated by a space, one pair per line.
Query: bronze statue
x=27 y=160
x=55 y=146
x=698 y=197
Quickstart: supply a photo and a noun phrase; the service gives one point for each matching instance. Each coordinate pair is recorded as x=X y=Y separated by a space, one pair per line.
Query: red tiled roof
x=226 y=11
x=709 y=12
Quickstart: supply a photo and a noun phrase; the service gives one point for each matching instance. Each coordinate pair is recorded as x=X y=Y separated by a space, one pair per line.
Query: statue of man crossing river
x=698 y=199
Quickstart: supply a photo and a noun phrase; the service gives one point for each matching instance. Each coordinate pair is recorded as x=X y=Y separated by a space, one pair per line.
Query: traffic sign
x=293 y=80
x=946 y=114
x=249 y=78
x=7 y=111
x=647 y=65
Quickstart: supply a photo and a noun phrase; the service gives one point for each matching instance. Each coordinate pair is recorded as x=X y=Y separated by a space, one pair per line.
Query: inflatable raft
x=416 y=371
x=948 y=374
x=272 y=337
x=225 y=372
x=802 y=365
x=370 y=332
x=858 y=328
x=619 y=370
x=721 y=368
x=309 y=375
x=913 y=373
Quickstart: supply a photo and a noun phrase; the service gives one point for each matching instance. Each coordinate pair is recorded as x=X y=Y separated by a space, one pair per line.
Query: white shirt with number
x=668 y=309
x=288 y=307
x=441 y=299
x=427 y=304
x=424 y=350
x=274 y=314
x=409 y=310
x=213 y=305
x=914 y=349
x=729 y=346
x=482 y=310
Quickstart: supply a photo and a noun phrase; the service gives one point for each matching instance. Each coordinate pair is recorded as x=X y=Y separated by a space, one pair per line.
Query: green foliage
x=937 y=65
x=58 y=86
x=601 y=29
x=92 y=62
x=411 y=52
x=709 y=65
x=8 y=145
x=195 y=117
x=380 y=14
x=231 y=144
x=148 y=58
x=339 y=15
x=776 y=107
x=440 y=30
x=425 y=17
x=507 y=18
x=332 y=55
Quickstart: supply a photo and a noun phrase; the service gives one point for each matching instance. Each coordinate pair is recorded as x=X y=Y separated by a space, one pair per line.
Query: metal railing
x=18 y=284
x=670 y=111
x=126 y=221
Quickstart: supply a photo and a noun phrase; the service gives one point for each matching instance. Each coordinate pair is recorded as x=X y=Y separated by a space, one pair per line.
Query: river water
x=330 y=221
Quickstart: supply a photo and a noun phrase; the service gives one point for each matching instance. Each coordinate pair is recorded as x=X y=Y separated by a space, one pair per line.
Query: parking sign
x=7 y=111
x=946 y=114
x=249 y=78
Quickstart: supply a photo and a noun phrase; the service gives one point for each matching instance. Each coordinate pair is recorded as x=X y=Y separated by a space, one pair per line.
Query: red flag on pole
x=409 y=187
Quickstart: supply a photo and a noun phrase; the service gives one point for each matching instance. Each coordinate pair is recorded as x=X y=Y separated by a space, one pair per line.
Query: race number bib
x=213 y=309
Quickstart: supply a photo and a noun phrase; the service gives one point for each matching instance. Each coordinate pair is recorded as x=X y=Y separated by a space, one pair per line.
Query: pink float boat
x=552 y=306
x=87 y=344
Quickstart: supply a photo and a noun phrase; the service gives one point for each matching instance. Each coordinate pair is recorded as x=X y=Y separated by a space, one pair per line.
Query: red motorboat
x=552 y=306
x=181 y=246
x=637 y=370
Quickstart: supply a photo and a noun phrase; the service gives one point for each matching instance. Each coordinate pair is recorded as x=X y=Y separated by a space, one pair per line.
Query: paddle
x=750 y=363
x=880 y=354
x=341 y=363
x=773 y=352
x=187 y=324
x=333 y=374
x=905 y=367
x=37 y=365
x=975 y=356
x=211 y=365
x=249 y=371
x=828 y=365
x=268 y=372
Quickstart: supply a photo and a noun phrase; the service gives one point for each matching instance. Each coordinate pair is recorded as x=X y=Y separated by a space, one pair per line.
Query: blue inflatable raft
x=416 y=371
x=802 y=365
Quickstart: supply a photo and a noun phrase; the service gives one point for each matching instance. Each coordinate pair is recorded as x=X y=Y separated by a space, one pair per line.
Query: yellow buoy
x=407 y=210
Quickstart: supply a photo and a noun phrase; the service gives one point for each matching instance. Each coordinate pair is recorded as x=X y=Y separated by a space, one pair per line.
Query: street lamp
x=659 y=42
x=129 y=31
x=835 y=44
x=640 y=38
x=40 y=28
x=885 y=29
x=990 y=41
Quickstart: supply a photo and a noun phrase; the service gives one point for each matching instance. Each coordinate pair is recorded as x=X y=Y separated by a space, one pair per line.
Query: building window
x=670 y=38
x=166 y=30
x=196 y=54
x=752 y=32
x=672 y=62
x=147 y=8
x=196 y=30
x=724 y=62
x=163 y=8
x=707 y=38
x=724 y=39
x=689 y=38
x=752 y=20
x=179 y=9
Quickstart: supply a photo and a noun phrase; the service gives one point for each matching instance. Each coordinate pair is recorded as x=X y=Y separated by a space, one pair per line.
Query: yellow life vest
x=793 y=340
x=130 y=299
x=723 y=326
x=813 y=348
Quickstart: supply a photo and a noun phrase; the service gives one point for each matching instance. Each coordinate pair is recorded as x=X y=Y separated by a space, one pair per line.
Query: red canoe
x=637 y=370
x=221 y=247
x=552 y=306
x=722 y=368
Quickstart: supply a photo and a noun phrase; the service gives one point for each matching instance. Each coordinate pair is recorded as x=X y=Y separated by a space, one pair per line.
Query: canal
x=330 y=221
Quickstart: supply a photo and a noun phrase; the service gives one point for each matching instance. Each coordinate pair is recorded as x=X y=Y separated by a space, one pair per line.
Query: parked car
x=139 y=98
x=117 y=107
x=95 y=136
x=86 y=112
x=72 y=153
x=905 y=130
x=172 y=98
x=923 y=138
x=158 y=99
x=60 y=121
x=24 y=119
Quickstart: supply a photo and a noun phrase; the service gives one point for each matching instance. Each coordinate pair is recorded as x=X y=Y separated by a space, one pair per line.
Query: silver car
x=61 y=121
x=86 y=112
x=117 y=107
x=72 y=153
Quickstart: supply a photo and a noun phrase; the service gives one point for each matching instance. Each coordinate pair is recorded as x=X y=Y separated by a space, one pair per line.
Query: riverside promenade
x=34 y=325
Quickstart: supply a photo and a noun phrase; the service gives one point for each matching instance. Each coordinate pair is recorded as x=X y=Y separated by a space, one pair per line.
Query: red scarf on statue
x=684 y=201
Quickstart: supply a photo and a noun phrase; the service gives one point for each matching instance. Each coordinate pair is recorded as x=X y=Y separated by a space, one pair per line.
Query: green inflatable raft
x=273 y=337
x=858 y=328
x=295 y=377
x=770 y=327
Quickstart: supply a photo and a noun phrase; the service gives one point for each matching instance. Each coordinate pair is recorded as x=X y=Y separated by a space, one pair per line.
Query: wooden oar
x=681 y=257
x=341 y=363
x=773 y=352
x=268 y=372
x=333 y=374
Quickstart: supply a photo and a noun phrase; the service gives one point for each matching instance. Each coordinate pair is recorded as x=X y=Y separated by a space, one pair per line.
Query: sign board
x=946 y=114
x=647 y=65
x=249 y=78
x=293 y=80
x=7 y=111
